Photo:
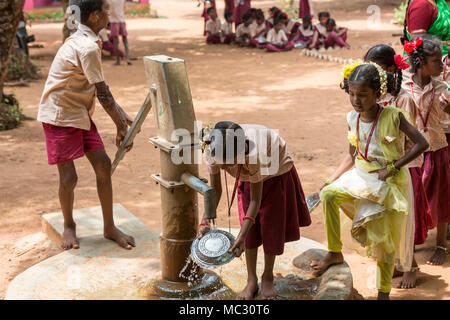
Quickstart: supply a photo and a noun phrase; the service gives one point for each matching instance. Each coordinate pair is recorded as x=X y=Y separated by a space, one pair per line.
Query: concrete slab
x=100 y=269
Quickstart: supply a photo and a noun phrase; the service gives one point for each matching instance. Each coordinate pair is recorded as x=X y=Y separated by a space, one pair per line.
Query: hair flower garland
x=383 y=79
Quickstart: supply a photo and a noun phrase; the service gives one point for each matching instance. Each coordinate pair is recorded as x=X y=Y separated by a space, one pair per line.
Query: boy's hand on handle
x=202 y=230
x=383 y=174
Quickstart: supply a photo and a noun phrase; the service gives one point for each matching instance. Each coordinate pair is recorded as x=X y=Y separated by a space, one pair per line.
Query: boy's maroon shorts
x=67 y=143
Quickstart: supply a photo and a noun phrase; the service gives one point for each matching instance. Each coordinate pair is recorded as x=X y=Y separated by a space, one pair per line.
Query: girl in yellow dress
x=377 y=194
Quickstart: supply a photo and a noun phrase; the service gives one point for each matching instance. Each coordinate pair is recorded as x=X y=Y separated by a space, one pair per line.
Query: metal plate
x=313 y=201
x=212 y=249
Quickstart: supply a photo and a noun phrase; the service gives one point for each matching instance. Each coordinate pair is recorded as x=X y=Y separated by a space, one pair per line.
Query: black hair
x=228 y=14
x=87 y=7
x=368 y=74
x=324 y=14
x=275 y=12
x=306 y=18
x=405 y=28
x=331 y=22
x=430 y=46
x=252 y=10
x=384 y=54
x=277 y=20
x=246 y=16
x=209 y=10
x=260 y=14
x=226 y=129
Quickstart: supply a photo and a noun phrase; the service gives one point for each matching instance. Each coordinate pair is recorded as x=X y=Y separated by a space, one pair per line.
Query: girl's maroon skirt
x=422 y=212
x=436 y=181
x=283 y=211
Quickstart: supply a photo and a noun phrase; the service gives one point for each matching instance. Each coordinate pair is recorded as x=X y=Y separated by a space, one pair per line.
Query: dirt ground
x=298 y=95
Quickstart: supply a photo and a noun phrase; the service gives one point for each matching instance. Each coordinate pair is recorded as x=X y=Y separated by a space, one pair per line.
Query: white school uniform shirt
x=68 y=99
x=213 y=27
x=116 y=10
x=276 y=38
x=242 y=30
x=227 y=28
x=257 y=28
x=306 y=32
x=288 y=28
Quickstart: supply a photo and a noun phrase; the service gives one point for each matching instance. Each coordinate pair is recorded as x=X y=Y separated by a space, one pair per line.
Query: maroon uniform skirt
x=436 y=181
x=422 y=212
x=283 y=211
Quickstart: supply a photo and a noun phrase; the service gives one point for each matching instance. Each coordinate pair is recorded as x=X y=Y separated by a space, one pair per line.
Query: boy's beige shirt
x=116 y=10
x=213 y=26
x=242 y=30
x=276 y=38
x=68 y=99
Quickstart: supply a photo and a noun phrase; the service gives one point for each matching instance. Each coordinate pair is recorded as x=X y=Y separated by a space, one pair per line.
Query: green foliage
x=290 y=7
x=45 y=15
x=10 y=113
x=400 y=12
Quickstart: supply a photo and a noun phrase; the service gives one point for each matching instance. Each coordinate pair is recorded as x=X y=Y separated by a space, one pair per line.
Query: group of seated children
x=276 y=34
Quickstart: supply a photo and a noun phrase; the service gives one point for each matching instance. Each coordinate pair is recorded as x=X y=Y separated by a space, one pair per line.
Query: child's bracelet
x=250 y=218
x=204 y=224
x=392 y=169
x=328 y=181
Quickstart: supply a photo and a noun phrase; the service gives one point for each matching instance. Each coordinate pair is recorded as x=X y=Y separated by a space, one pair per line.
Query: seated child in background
x=290 y=26
x=274 y=12
x=227 y=28
x=213 y=27
x=276 y=38
x=107 y=42
x=305 y=34
x=259 y=30
x=243 y=31
x=206 y=5
x=327 y=34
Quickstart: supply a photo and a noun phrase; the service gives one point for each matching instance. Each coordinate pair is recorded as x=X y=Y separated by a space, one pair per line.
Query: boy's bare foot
x=383 y=296
x=117 y=63
x=408 y=280
x=267 y=287
x=129 y=63
x=250 y=290
x=330 y=259
x=123 y=240
x=438 y=257
x=69 y=239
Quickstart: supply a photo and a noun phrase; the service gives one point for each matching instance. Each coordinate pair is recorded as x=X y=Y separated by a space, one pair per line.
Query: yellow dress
x=381 y=212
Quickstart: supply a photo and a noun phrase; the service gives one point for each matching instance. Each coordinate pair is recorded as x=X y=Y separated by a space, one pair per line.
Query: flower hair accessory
x=206 y=139
x=348 y=69
x=400 y=62
x=383 y=79
x=411 y=46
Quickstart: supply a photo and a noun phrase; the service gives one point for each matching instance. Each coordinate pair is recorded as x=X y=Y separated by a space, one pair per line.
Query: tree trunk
x=10 y=13
x=65 y=31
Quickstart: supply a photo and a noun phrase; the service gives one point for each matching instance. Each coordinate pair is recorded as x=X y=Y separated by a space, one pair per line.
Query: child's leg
x=127 y=51
x=384 y=279
x=289 y=46
x=102 y=167
x=439 y=255
x=251 y=289
x=271 y=48
x=67 y=182
x=267 y=287
x=116 y=50
x=331 y=199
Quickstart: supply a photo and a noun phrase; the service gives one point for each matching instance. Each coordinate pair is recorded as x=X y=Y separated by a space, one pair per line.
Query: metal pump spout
x=208 y=192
